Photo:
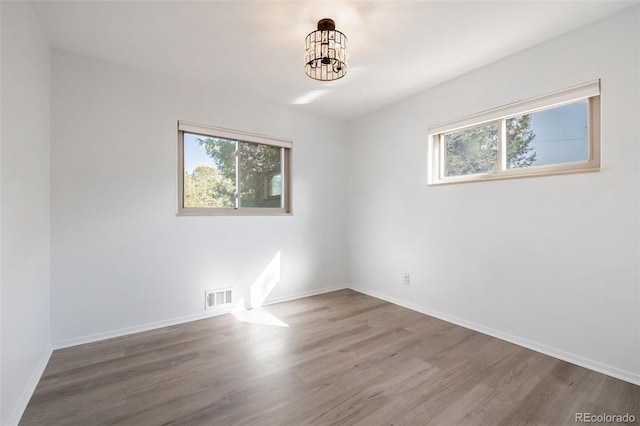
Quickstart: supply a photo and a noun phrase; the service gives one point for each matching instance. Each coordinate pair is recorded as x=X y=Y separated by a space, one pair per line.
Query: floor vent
x=218 y=297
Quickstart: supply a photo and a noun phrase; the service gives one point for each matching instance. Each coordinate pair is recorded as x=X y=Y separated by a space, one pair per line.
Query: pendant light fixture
x=326 y=54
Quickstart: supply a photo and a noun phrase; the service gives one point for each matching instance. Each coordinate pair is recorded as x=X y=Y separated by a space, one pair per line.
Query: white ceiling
x=256 y=47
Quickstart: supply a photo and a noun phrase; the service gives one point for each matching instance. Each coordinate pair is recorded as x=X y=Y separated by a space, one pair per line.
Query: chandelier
x=326 y=55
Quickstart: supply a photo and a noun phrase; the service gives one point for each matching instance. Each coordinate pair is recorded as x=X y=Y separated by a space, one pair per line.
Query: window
x=227 y=172
x=552 y=134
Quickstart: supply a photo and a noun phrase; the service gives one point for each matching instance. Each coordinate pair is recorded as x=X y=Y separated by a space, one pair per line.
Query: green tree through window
x=217 y=186
x=519 y=138
x=475 y=150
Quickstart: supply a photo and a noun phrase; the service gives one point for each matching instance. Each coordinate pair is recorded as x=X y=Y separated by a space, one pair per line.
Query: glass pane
x=553 y=136
x=260 y=171
x=471 y=151
x=209 y=172
x=276 y=185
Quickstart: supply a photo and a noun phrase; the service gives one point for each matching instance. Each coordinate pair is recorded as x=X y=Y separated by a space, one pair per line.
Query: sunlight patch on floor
x=258 y=316
x=251 y=312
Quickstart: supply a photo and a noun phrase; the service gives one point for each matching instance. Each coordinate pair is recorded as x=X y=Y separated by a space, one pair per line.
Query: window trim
x=240 y=136
x=589 y=91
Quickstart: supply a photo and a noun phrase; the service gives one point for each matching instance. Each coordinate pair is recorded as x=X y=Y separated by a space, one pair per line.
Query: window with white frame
x=552 y=134
x=228 y=172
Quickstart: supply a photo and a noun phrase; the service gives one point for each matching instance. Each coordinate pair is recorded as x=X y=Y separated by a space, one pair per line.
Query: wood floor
x=338 y=358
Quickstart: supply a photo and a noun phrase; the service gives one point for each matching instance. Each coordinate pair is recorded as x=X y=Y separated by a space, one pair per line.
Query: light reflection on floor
x=263 y=285
x=258 y=316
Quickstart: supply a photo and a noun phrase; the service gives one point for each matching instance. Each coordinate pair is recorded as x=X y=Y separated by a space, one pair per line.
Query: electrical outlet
x=406 y=279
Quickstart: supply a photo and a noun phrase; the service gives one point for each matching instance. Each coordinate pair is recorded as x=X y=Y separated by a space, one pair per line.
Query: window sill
x=232 y=212
x=587 y=167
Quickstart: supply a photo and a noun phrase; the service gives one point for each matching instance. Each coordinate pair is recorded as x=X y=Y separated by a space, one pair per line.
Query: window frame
x=242 y=137
x=589 y=91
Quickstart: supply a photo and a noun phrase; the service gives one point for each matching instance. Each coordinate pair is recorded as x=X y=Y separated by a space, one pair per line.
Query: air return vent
x=217 y=297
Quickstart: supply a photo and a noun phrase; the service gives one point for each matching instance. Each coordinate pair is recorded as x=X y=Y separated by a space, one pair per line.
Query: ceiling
x=255 y=48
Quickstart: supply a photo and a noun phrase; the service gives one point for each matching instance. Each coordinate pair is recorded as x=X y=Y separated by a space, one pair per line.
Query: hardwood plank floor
x=338 y=358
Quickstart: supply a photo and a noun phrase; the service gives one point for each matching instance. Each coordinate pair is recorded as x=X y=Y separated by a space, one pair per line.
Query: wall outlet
x=406 y=279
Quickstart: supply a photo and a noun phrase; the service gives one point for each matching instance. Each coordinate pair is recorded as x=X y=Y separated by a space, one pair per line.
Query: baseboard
x=17 y=413
x=180 y=320
x=590 y=364
x=271 y=301
x=92 y=338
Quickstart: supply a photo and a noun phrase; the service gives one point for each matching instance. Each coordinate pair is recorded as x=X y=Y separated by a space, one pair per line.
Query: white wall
x=551 y=263
x=24 y=215
x=121 y=258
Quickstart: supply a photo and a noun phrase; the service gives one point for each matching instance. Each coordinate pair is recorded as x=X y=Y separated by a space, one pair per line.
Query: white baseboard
x=627 y=376
x=271 y=301
x=17 y=413
x=92 y=338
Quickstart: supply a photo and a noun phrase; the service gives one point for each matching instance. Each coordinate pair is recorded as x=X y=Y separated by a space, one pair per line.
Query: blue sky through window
x=194 y=154
x=561 y=134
